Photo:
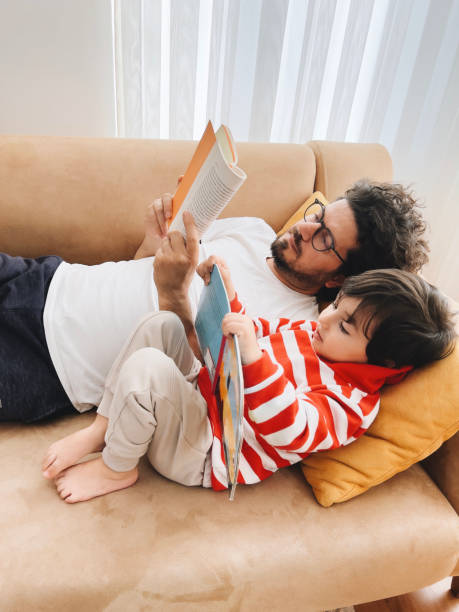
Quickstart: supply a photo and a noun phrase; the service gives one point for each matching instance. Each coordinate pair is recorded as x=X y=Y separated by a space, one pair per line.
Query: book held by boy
x=223 y=361
x=210 y=181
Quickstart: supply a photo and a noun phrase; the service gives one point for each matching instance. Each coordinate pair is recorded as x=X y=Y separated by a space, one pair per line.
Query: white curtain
x=294 y=70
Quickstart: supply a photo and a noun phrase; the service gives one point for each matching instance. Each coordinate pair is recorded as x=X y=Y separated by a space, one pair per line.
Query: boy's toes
x=62 y=489
x=52 y=468
x=59 y=482
x=65 y=494
x=47 y=460
x=70 y=499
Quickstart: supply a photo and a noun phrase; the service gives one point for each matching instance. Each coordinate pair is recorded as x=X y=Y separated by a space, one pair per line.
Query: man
x=50 y=365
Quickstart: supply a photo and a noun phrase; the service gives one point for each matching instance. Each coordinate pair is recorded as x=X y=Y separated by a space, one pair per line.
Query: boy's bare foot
x=72 y=448
x=92 y=479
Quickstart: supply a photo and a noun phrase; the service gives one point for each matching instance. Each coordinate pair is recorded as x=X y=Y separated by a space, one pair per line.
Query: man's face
x=302 y=266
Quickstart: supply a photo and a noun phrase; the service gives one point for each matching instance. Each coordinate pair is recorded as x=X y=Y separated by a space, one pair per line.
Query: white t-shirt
x=91 y=310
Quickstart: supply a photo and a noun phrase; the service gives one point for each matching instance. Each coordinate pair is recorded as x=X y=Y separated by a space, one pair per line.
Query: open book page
x=210 y=181
x=223 y=362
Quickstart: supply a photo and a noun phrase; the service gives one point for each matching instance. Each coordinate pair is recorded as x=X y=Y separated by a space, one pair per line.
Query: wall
x=372 y=71
x=56 y=68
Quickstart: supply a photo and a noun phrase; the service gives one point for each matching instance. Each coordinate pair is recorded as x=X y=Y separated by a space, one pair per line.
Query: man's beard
x=301 y=279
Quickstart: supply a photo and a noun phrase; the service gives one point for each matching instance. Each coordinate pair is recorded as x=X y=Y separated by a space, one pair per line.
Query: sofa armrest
x=443 y=468
x=340 y=164
x=443 y=465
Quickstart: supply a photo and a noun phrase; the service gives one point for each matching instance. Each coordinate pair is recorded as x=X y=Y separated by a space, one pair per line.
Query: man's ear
x=336 y=281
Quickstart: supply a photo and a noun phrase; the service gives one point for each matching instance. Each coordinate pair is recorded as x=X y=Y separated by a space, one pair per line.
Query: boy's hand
x=176 y=260
x=242 y=327
x=205 y=268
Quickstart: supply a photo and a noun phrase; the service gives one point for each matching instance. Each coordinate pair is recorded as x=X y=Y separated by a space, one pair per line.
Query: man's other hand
x=176 y=260
x=157 y=218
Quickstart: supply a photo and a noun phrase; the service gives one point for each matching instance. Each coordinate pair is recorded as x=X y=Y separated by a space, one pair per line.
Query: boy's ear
x=336 y=281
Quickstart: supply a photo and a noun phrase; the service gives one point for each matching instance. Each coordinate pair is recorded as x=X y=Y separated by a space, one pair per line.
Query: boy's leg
x=158 y=412
x=155 y=409
x=164 y=331
x=161 y=330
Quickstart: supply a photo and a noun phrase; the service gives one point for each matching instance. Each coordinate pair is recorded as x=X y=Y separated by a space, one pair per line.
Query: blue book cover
x=223 y=361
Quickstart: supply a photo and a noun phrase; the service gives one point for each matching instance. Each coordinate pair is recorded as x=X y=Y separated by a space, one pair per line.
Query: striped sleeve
x=293 y=421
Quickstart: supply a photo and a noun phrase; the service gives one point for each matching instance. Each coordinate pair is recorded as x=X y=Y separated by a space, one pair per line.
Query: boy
x=309 y=386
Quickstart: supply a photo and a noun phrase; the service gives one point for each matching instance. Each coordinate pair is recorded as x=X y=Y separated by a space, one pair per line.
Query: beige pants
x=152 y=405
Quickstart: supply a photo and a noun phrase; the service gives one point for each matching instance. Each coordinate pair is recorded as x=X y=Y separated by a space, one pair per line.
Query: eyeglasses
x=322 y=239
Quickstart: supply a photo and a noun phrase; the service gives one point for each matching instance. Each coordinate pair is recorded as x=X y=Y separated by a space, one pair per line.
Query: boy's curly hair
x=390 y=229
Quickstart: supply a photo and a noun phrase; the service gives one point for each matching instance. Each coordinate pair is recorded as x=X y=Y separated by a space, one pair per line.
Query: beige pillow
x=416 y=416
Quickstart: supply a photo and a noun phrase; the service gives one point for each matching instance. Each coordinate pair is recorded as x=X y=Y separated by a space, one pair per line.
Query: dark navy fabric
x=29 y=386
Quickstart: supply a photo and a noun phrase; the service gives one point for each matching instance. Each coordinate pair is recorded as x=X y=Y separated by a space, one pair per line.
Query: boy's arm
x=173 y=270
x=297 y=419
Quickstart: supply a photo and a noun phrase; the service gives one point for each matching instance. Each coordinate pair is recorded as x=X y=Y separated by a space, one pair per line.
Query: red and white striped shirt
x=295 y=402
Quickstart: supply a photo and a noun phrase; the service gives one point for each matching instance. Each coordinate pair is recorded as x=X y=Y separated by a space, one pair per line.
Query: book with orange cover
x=210 y=181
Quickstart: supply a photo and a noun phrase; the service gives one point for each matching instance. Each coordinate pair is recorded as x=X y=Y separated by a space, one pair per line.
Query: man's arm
x=174 y=266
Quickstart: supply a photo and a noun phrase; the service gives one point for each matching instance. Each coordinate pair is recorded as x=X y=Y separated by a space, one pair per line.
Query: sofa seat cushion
x=161 y=546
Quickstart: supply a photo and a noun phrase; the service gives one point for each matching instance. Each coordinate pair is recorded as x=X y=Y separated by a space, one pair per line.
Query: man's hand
x=242 y=327
x=158 y=214
x=175 y=263
x=205 y=268
x=173 y=270
x=157 y=217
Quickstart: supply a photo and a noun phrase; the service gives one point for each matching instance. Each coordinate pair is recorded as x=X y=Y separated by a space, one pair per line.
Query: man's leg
x=154 y=409
x=29 y=386
x=161 y=330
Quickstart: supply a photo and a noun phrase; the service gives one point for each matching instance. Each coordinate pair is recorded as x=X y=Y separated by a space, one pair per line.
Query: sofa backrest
x=85 y=199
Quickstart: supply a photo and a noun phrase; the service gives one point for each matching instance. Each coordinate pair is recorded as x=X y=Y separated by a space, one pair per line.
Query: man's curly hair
x=390 y=229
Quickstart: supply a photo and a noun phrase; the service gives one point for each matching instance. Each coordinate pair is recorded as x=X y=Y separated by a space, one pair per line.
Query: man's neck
x=290 y=282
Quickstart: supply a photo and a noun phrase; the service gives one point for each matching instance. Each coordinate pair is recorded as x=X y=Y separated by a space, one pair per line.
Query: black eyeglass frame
x=322 y=227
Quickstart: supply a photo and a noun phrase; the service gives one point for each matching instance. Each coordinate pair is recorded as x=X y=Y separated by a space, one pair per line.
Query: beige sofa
x=158 y=545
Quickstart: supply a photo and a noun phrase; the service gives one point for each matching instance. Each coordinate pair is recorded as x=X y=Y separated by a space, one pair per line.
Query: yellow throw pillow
x=298 y=215
x=416 y=416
